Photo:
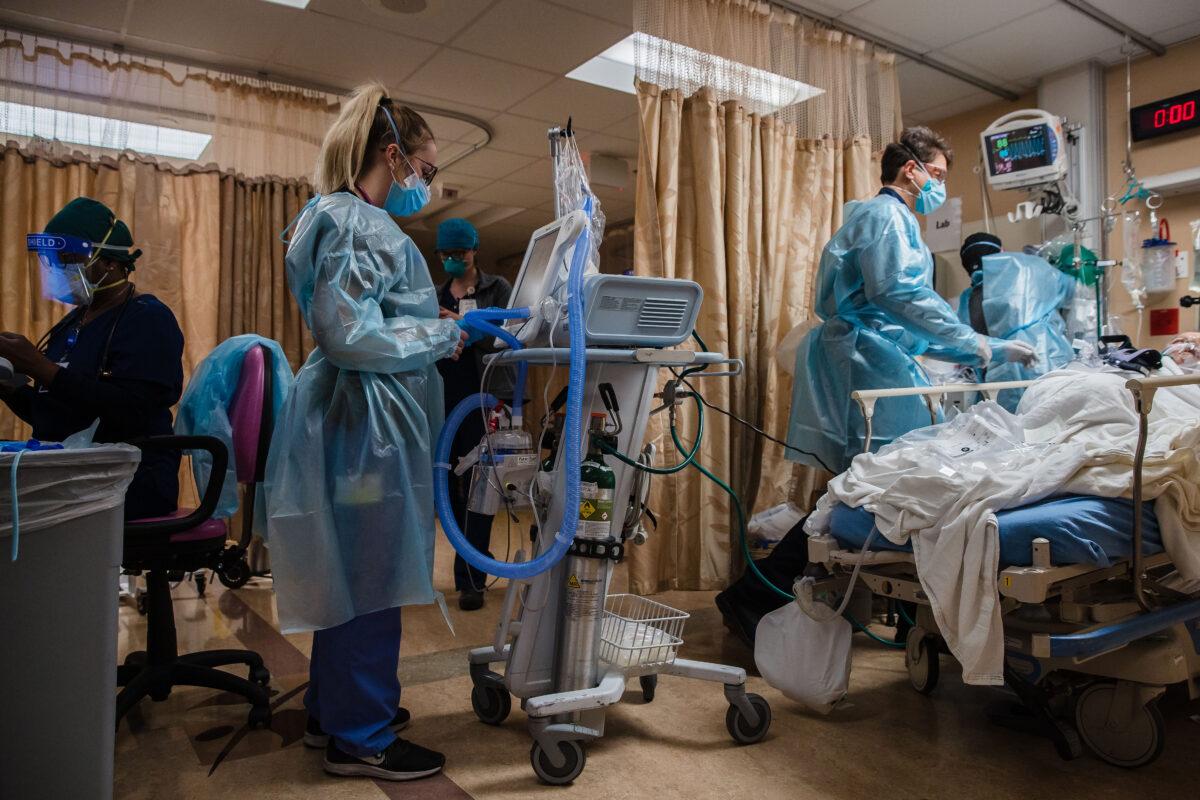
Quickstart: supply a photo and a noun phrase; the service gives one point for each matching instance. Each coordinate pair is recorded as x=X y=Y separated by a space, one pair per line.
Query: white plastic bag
x=773 y=524
x=807 y=660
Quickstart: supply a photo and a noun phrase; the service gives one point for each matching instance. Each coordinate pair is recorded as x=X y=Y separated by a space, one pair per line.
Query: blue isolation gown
x=879 y=311
x=1022 y=297
x=350 y=473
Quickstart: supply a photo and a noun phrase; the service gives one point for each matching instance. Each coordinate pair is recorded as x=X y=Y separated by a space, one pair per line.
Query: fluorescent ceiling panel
x=94 y=131
x=291 y=3
x=768 y=91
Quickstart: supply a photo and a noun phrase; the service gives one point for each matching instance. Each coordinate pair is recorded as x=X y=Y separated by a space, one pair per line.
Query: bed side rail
x=1143 y=390
x=934 y=396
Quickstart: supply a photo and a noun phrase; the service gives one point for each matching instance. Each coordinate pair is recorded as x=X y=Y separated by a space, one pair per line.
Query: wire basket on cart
x=640 y=634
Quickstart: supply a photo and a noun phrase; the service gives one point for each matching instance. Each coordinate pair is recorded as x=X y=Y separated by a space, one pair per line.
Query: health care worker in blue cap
x=467 y=287
x=350 y=474
x=879 y=311
x=1016 y=296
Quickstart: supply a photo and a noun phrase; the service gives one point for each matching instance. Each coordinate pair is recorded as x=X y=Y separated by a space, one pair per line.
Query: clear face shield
x=63 y=262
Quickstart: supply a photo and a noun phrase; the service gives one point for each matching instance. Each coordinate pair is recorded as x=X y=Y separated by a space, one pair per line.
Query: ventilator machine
x=567 y=646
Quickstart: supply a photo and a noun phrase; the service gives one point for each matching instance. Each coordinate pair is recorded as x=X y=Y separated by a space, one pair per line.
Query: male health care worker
x=878 y=312
x=467 y=288
x=350 y=474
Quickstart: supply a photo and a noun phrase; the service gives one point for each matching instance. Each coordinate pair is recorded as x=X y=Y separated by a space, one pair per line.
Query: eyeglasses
x=937 y=173
x=458 y=254
x=428 y=171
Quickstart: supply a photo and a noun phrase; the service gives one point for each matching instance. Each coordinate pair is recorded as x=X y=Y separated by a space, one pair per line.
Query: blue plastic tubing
x=572 y=431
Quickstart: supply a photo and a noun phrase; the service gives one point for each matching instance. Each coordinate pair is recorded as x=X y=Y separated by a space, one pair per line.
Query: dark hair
x=916 y=144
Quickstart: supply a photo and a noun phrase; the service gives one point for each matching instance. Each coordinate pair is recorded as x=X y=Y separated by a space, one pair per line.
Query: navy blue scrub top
x=143 y=380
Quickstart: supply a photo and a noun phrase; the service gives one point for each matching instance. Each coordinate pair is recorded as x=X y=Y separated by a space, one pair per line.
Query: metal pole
x=1112 y=23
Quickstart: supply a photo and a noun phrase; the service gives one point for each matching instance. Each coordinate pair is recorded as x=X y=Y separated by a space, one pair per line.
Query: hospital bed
x=1093 y=636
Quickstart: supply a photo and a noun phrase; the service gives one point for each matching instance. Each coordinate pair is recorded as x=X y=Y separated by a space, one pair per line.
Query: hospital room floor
x=886 y=742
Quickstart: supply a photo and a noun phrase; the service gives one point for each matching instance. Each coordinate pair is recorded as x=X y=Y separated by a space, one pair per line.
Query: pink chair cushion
x=209 y=529
x=246 y=412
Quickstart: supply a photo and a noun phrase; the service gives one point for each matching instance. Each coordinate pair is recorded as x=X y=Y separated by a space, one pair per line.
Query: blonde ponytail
x=361 y=126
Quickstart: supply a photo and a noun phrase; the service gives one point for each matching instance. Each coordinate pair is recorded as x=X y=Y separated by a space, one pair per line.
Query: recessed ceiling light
x=94 y=131
x=291 y=3
x=768 y=91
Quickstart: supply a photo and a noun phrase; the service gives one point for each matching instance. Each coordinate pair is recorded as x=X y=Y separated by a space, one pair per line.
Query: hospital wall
x=1154 y=78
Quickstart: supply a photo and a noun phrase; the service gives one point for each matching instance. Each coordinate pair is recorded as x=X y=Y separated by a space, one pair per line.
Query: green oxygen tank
x=598 y=484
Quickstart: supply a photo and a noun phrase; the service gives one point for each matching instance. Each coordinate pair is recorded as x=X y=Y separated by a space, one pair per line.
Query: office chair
x=188 y=541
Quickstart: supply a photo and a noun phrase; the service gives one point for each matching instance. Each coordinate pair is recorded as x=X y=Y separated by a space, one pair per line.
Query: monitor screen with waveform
x=1011 y=152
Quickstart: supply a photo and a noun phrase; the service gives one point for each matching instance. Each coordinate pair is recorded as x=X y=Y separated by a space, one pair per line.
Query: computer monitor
x=544 y=273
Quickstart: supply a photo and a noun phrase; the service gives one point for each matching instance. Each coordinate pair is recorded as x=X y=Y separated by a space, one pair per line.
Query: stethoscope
x=75 y=318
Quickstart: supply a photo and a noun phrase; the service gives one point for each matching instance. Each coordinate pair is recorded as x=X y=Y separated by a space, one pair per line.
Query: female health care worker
x=879 y=311
x=116 y=357
x=350 y=474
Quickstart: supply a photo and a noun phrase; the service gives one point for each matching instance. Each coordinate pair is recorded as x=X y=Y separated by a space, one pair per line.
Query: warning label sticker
x=572 y=582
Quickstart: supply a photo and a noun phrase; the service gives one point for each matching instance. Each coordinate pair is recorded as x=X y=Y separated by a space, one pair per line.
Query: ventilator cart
x=564 y=646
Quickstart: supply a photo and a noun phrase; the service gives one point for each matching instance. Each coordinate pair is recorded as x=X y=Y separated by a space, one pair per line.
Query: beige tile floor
x=886 y=742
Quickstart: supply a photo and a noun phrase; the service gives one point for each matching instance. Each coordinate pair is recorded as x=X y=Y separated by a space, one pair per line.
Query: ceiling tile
x=439 y=22
x=336 y=47
x=426 y=103
x=1037 y=44
x=628 y=128
x=533 y=33
x=532 y=219
x=105 y=15
x=974 y=100
x=923 y=87
x=591 y=107
x=618 y=11
x=608 y=145
x=539 y=172
x=489 y=163
x=513 y=194
x=928 y=26
x=474 y=80
x=832 y=8
x=1151 y=15
x=230 y=27
x=521 y=135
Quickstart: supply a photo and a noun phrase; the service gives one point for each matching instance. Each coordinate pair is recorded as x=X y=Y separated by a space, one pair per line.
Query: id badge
x=467 y=304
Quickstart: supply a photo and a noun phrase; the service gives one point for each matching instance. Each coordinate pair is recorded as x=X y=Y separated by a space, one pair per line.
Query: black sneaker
x=470 y=600
x=314 y=736
x=402 y=761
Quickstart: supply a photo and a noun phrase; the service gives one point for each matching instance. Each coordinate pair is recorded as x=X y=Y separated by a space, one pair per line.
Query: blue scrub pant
x=353 y=688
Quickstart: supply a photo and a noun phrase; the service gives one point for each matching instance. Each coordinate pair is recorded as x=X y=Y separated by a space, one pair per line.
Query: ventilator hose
x=572 y=431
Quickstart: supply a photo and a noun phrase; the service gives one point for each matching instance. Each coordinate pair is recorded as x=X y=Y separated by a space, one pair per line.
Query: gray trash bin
x=58 y=620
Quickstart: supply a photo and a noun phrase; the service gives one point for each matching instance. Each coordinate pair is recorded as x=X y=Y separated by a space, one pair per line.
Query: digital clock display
x=1165 y=116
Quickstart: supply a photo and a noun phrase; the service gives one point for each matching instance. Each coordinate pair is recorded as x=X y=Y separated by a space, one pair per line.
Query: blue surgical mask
x=455 y=267
x=930 y=196
x=408 y=198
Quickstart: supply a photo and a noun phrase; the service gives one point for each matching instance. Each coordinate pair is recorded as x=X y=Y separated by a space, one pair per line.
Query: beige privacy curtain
x=742 y=203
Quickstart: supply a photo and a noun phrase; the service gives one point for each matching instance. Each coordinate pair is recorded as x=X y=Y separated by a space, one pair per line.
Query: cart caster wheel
x=141 y=603
x=922 y=660
x=235 y=574
x=201 y=583
x=261 y=676
x=1130 y=743
x=260 y=717
x=492 y=704
x=649 y=684
x=740 y=729
x=575 y=757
